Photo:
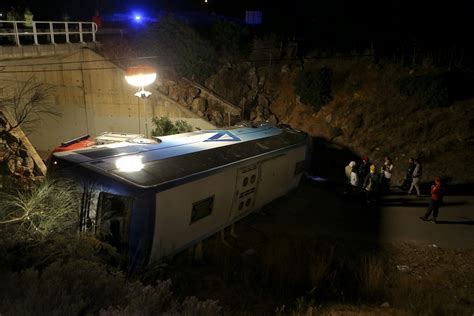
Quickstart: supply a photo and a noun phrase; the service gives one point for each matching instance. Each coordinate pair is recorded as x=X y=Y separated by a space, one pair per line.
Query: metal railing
x=46 y=32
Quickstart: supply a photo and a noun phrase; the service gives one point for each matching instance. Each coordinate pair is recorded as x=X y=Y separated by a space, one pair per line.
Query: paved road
x=400 y=221
x=321 y=209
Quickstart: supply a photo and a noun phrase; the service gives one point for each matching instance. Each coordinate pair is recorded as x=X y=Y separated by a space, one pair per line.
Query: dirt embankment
x=368 y=114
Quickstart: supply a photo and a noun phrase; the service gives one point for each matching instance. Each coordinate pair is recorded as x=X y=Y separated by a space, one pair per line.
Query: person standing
x=364 y=169
x=437 y=192
x=386 y=174
x=28 y=16
x=97 y=19
x=416 y=177
x=370 y=185
x=11 y=15
x=409 y=174
x=354 y=179
x=348 y=171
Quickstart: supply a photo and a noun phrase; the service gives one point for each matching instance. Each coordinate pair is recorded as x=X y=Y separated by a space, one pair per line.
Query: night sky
x=329 y=21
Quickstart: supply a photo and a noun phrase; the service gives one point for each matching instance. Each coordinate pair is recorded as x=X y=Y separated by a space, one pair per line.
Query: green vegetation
x=164 y=126
x=229 y=39
x=438 y=89
x=431 y=90
x=314 y=86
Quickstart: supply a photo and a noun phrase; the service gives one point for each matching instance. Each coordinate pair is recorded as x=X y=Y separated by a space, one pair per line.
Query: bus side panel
x=279 y=175
x=187 y=213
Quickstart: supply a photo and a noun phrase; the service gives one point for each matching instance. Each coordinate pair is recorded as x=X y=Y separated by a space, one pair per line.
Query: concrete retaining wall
x=92 y=95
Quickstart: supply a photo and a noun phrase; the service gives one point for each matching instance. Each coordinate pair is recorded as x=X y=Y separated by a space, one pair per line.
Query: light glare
x=129 y=163
x=141 y=80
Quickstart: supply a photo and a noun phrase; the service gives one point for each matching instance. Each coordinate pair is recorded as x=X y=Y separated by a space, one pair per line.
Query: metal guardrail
x=47 y=31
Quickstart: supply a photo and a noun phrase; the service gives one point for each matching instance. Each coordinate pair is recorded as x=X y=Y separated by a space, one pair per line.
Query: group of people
x=18 y=14
x=368 y=178
x=373 y=182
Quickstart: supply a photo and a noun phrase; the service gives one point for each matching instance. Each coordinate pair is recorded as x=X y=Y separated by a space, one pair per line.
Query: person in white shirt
x=386 y=174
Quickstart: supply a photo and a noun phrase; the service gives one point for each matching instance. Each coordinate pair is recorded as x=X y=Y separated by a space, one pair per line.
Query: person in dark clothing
x=371 y=185
x=364 y=170
x=437 y=192
x=409 y=175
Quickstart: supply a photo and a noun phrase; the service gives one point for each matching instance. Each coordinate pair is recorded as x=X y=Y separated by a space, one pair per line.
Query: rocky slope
x=20 y=164
x=367 y=115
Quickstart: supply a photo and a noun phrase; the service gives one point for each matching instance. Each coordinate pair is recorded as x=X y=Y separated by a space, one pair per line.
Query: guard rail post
x=17 y=36
x=35 y=34
x=51 y=33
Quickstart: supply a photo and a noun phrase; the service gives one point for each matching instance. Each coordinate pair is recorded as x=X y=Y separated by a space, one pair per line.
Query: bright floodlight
x=140 y=76
x=129 y=163
x=138 y=18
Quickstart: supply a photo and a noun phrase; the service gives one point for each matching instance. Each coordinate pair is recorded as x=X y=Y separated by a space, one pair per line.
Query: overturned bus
x=154 y=200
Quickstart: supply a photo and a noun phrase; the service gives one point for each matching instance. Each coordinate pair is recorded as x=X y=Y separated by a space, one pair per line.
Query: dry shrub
x=40 y=254
x=81 y=287
x=62 y=289
x=159 y=300
x=373 y=276
x=50 y=207
x=421 y=297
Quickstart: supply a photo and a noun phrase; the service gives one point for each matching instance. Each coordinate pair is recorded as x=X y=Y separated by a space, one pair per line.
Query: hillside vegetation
x=373 y=109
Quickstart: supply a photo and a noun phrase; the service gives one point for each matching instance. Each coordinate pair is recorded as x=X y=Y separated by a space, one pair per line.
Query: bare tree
x=28 y=103
x=50 y=207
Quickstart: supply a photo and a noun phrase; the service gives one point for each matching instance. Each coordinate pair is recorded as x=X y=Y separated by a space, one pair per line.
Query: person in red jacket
x=97 y=19
x=437 y=192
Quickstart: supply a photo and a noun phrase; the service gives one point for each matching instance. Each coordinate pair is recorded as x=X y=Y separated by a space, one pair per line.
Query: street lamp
x=140 y=77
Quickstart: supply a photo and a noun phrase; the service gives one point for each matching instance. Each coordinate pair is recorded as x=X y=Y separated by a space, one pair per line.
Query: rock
x=242 y=102
x=194 y=92
x=285 y=69
x=164 y=89
x=258 y=119
x=199 y=105
x=249 y=252
x=262 y=101
x=272 y=119
x=385 y=304
x=27 y=173
x=11 y=165
x=19 y=163
x=23 y=152
x=14 y=147
x=217 y=118
x=173 y=93
x=328 y=118
x=10 y=138
x=253 y=115
x=201 y=114
x=266 y=112
x=28 y=163
x=403 y=268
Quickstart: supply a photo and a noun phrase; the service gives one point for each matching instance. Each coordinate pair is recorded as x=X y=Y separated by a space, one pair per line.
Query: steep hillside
x=369 y=114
